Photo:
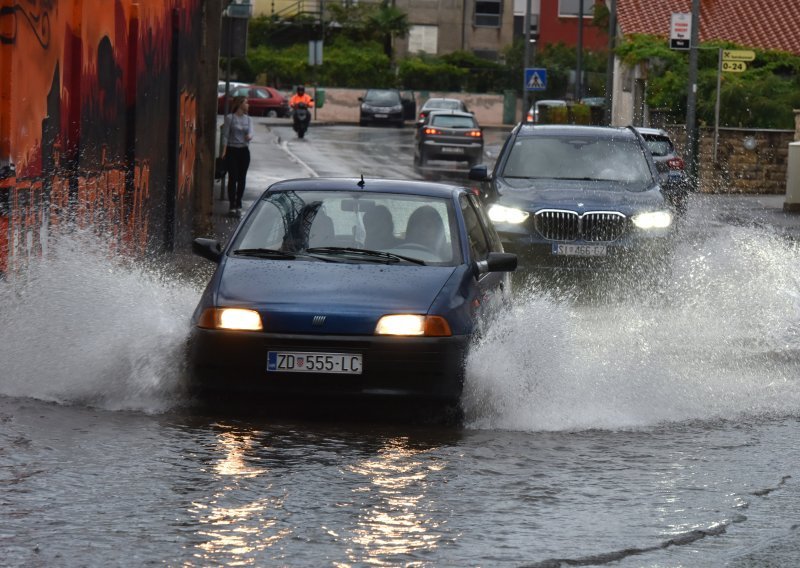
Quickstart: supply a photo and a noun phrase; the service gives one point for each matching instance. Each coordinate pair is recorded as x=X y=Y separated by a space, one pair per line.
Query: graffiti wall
x=98 y=120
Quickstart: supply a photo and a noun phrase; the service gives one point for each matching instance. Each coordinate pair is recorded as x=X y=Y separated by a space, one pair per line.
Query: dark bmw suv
x=578 y=197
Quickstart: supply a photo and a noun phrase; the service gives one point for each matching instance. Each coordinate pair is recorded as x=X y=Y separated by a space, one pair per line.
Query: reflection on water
x=263 y=491
x=396 y=522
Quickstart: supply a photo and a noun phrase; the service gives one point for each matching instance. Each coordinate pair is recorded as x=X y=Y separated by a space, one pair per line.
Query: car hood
x=351 y=296
x=579 y=195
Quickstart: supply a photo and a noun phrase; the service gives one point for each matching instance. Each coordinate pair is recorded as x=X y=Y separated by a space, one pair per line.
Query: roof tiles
x=762 y=24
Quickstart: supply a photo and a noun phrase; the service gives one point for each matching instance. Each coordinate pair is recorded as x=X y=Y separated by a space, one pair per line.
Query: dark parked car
x=382 y=106
x=668 y=162
x=340 y=288
x=579 y=197
x=439 y=104
x=449 y=135
x=263 y=101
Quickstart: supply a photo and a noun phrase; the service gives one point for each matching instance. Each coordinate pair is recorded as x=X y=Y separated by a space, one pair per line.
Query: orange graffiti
x=188 y=145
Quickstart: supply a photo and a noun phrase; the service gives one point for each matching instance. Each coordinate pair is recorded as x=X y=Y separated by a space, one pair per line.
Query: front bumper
x=395 y=117
x=631 y=252
x=430 y=368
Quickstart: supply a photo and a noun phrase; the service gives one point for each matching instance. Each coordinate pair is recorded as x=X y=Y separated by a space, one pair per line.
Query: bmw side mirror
x=479 y=173
x=496 y=262
x=209 y=249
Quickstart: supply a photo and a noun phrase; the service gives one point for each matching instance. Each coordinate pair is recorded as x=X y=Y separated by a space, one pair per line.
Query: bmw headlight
x=231 y=318
x=653 y=220
x=502 y=214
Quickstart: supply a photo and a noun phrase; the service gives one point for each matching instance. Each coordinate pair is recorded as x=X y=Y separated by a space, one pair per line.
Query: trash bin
x=319 y=98
x=792 y=202
x=509 y=107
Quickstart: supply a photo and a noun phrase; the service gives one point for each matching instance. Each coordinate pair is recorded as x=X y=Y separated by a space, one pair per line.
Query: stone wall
x=737 y=169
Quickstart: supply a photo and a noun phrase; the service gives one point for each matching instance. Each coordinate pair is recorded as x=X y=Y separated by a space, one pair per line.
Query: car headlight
x=653 y=220
x=397 y=108
x=502 y=214
x=230 y=318
x=411 y=324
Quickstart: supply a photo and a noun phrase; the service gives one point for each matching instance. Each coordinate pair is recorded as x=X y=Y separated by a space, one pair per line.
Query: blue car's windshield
x=344 y=224
x=581 y=158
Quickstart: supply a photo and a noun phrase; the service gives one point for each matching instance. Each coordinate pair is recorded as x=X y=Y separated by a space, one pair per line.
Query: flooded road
x=628 y=429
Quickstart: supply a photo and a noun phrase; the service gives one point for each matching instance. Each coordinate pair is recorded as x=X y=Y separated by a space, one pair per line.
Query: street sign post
x=733 y=66
x=535 y=79
x=738 y=55
x=680 y=31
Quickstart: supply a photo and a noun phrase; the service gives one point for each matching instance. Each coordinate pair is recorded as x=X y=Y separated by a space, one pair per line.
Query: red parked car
x=264 y=101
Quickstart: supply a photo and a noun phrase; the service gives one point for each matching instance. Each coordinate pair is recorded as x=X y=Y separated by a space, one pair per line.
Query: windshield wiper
x=378 y=255
x=275 y=253
x=265 y=253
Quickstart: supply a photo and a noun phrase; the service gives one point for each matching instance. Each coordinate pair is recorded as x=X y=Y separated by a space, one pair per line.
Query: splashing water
x=80 y=327
x=721 y=341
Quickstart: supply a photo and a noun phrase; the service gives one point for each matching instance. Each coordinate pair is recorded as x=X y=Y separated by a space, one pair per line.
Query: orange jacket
x=304 y=98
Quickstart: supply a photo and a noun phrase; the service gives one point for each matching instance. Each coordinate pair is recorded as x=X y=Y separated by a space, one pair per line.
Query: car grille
x=596 y=226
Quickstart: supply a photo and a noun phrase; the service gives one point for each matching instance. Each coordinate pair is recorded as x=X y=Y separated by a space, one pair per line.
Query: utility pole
x=612 y=41
x=691 y=96
x=526 y=59
x=579 y=58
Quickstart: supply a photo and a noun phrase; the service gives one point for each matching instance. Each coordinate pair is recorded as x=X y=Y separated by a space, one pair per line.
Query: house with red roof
x=759 y=24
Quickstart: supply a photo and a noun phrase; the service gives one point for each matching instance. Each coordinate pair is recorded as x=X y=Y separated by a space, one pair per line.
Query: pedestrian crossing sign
x=535 y=79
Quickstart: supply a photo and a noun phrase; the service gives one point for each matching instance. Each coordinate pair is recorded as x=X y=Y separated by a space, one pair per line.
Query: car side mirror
x=479 y=173
x=496 y=262
x=361 y=99
x=209 y=249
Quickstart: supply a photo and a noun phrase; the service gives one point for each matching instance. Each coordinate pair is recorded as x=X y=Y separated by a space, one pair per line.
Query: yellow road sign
x=734 y=66
x=738 y=55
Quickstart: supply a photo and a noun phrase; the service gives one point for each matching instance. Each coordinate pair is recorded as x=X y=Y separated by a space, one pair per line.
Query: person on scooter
x=301 y=116
x=301 y=97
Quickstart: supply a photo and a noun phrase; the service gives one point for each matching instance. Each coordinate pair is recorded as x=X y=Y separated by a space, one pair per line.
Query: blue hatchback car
x=341 y=287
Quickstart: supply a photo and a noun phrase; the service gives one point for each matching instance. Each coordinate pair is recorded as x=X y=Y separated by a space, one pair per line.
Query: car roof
x=656 y=131
x=451 y=112
x=443 y=99
x=528 y=129
x=375 y=185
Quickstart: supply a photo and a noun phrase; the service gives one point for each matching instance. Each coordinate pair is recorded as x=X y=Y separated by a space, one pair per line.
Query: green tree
x=761 y=97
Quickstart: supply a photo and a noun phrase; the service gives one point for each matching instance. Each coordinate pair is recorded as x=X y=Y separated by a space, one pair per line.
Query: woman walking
x=237 y=132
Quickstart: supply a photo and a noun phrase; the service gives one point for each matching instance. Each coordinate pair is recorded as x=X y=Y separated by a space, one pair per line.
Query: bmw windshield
x=620 y=161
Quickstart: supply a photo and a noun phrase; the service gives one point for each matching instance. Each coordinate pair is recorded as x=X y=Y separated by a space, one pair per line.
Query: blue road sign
x=535 y=79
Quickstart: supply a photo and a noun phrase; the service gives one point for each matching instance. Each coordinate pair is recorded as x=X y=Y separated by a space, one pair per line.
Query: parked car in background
x=231 y=86
x=668 y=162
x=579 y=197
x=449 y=135
x=263 y=101
x=439 y=104
x=381 y=106
x=334 y=289
x=540 y=108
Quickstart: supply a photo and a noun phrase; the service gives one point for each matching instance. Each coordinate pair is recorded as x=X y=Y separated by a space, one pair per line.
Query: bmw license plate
x=564 y=249
x=452 y=150
x=314 y=362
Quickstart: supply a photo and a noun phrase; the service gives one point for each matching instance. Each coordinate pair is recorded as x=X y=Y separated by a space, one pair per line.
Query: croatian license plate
x=564 y=249
x=314 y=362
x=452 y=150
x=381 y=115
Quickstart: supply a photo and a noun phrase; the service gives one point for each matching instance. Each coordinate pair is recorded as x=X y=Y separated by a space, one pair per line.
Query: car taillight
x=432 y=131
x=473 y=133
x=530 y=117
x=675 y=163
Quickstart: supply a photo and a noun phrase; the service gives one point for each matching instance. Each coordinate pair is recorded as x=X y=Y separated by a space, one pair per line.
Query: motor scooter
x=300 y=119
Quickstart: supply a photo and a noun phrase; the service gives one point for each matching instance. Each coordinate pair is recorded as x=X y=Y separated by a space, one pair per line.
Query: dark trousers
x=238 y=162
